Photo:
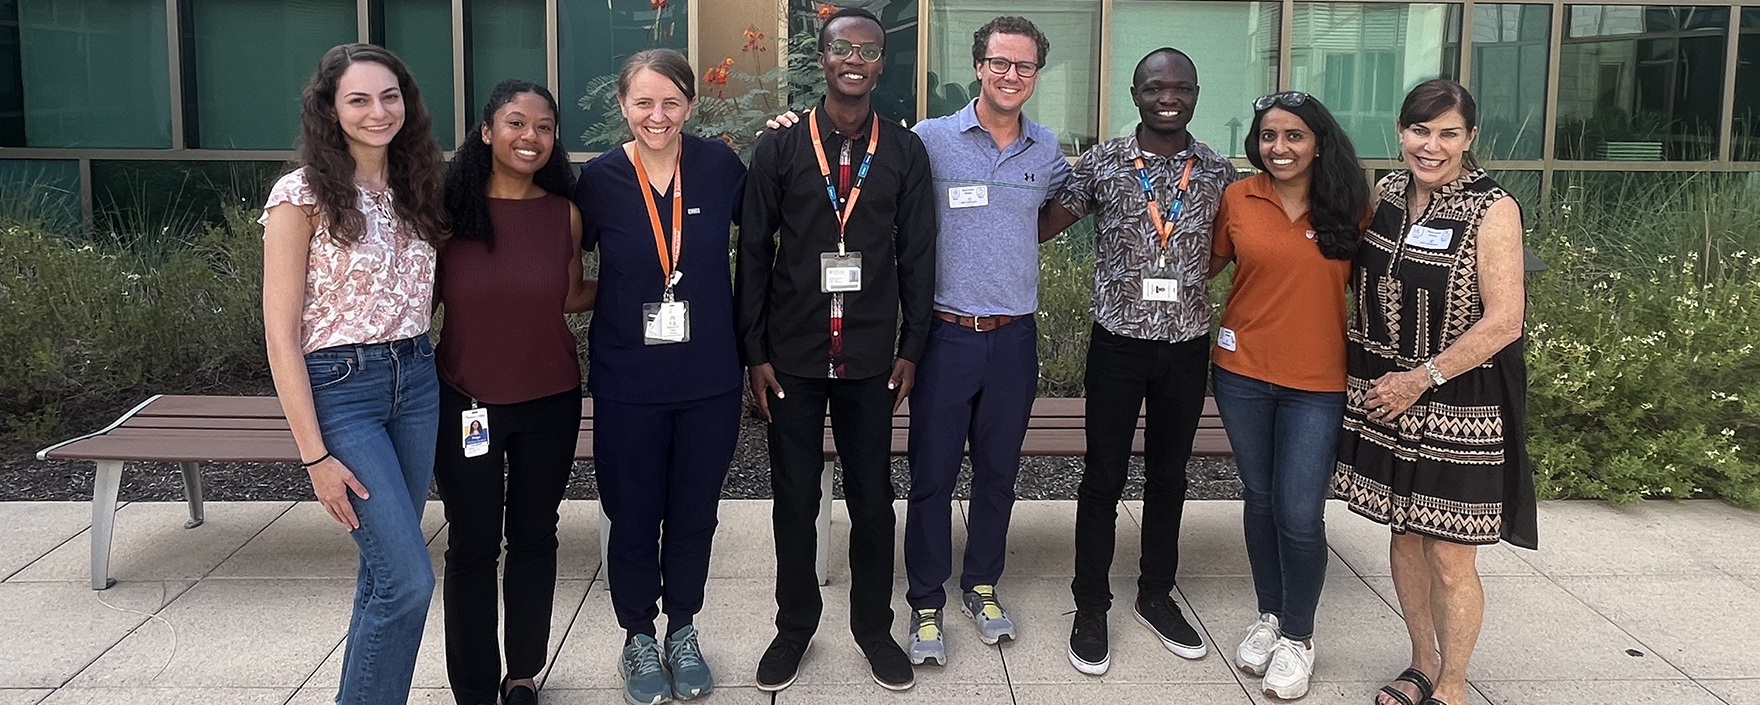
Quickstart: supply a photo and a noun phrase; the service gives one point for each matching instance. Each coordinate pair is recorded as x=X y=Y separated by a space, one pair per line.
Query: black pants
x=1167 y=381
x=861 y=423
x=536 y=442
x=660 y=469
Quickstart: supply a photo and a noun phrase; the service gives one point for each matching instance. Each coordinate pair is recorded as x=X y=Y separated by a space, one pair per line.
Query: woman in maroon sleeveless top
x=510 y=393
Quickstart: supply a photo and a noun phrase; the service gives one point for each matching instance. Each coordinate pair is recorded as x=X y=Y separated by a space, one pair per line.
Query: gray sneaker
x=926 y=643
x=684 y=658
x=644 y=680
x=980 y=604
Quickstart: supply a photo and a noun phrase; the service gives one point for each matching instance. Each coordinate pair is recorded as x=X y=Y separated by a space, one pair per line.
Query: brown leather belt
x=980 y=324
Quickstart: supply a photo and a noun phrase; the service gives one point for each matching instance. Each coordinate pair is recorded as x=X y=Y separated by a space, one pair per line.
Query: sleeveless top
x=503 y=337
x=1453 y=466
x=377 y=290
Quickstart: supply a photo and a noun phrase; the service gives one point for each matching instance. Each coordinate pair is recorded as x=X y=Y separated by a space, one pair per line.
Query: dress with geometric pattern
x=1454 y=466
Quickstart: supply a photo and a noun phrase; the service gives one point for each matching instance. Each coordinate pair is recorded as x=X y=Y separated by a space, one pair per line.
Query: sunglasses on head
x=842 y=48
x=1287 y=99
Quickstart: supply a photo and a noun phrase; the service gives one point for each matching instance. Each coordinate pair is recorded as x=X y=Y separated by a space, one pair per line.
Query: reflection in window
x=594 y=39
x=1641 y=82
x=1233 y=44
x=420 y=32
x=1747 y=122
x=1509 y=79
x=245 y=63
x=1063 y=99
x=42 y=192
x=1361 y=58
x=151 y=196
x=92 y=73
x=505 y=40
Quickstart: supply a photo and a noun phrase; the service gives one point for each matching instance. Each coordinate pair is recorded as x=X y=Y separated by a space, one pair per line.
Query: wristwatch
x=1436 y=378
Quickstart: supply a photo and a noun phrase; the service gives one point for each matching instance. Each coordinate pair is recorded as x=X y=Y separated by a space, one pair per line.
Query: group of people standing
x=876 y=264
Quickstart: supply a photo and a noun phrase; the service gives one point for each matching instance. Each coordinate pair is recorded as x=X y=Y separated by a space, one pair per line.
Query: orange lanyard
x=668 y=266
x=855 y=190
x=1164 y=226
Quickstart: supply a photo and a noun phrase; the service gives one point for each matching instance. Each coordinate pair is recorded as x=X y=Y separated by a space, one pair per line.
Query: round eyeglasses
x=843 y=48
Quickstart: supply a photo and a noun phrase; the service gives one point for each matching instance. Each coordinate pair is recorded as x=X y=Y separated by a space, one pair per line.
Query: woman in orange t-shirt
x=1279 y=373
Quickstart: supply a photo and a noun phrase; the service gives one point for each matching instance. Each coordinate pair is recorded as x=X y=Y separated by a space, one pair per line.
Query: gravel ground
x=24 y=478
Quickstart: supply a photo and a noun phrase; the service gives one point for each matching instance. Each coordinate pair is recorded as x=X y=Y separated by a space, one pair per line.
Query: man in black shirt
x=836 y=312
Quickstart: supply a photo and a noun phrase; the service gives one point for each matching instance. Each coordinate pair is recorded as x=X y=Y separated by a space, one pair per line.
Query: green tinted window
x=247 y=61
x=1509 y=78
x=420 y=32
x=40 y=192
x=1361 y=58
x=94 y=73
x=506 y=40
x=594 y=39
x=1233 y=44
x=1063 y=98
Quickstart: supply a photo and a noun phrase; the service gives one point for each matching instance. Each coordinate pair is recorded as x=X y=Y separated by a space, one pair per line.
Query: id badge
x=1160 y=289
x=474 y=427
x=839 y=273
x=1225 y=339
x=666 y=322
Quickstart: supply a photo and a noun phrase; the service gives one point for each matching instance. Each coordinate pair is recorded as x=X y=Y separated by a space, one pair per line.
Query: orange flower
x=657 y=4
x=754 y=40
x=826 y=10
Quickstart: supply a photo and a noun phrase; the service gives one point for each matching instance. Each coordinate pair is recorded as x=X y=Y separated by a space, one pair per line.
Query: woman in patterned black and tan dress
x=1435 y=400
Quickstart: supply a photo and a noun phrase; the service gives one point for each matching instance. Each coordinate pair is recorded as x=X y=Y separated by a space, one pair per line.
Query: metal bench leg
x=822 y=560
x=105 y=483
x=192 y=491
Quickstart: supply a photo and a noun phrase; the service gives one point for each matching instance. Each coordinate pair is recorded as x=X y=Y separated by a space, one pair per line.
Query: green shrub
x=1643 y=380
x=89 y=330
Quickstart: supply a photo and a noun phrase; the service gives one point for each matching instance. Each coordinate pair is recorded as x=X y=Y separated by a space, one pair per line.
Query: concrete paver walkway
x=1653 y=603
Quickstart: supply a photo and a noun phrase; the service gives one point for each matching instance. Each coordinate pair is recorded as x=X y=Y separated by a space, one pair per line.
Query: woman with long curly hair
x=508 y=369
x=1279 y=363
x=348 y=276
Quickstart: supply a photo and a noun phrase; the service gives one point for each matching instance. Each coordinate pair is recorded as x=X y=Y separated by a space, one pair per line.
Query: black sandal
x=1416 y=678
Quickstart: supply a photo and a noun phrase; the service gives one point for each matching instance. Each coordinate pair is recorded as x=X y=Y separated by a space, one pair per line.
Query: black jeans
x=861 y=423
x=536 y=441
x=1166 y=381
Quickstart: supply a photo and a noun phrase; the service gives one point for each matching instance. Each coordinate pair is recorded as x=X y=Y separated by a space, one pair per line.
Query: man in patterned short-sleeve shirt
x=1150 y=343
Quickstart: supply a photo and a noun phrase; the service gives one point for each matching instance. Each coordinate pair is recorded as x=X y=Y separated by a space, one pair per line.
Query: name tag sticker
x=474 y=425
x=1158 y=289
x=1225 y=339
x=968 y=196
x=1429 y=238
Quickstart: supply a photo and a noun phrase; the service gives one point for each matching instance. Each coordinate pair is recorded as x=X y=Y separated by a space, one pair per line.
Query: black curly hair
x=1338 y=195
x=467 y=179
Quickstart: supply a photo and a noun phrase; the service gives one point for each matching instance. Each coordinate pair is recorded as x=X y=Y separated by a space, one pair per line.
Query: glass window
x=595 y=38
x=420 y=31
x=506 y=40
x=1641 y=82
x=41 y=192
x=1509 y=78
x=93 y=73
x=1747 y=122
x=144 y=197
x=1361 y=58
x=1233 y=44
x=1063 y=99
x=11 y=87
x=245 y=63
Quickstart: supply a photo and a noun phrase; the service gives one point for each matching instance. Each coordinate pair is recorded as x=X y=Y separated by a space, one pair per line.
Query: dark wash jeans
x=1166 y=381
x=1285 y=441
x=377 y=407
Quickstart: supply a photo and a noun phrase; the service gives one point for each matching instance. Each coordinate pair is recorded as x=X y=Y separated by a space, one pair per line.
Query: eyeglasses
x=1287 y=99
x=842 y=48
x=999 y=66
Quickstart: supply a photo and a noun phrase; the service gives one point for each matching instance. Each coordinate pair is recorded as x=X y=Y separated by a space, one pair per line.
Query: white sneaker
x=1254 y=653
x=1291 y=665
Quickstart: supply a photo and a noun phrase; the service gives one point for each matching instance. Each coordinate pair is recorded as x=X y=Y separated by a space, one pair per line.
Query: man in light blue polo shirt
x=994 y=169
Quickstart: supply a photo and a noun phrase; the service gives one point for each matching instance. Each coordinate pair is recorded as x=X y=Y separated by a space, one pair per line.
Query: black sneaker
x=1087 y=643
x=1161 y=615
x=780 y=664
x=892 y=668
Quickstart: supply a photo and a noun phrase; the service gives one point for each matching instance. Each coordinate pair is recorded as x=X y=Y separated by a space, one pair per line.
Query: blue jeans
x=1284 y=441
x=378 y=409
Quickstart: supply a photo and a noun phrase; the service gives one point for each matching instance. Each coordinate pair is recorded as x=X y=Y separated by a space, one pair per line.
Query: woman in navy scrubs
x=665 y=373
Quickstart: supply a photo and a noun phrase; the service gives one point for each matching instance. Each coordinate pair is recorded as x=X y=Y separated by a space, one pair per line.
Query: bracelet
x=1436 y=377
x=306 y=465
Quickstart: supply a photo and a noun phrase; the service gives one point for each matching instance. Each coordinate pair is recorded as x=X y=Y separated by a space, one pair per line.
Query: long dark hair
x=412 y=161
x=1338 y=195
x=467 y=180
x=1432 y=98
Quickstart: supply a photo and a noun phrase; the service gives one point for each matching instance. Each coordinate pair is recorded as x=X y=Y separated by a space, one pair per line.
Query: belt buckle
x=976 y=322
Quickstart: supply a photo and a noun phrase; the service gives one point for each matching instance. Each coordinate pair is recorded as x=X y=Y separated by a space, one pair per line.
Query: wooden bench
x=191 y=430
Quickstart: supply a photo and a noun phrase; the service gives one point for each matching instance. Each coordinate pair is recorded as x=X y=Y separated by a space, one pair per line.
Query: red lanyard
x=667 y=265
x=1164 y=227
x=855 y=191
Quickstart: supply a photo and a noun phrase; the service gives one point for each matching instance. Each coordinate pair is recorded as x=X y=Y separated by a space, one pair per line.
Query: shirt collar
x=967 y=120
x=1259 y=186
x=826 y=128
x=1133 y=150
